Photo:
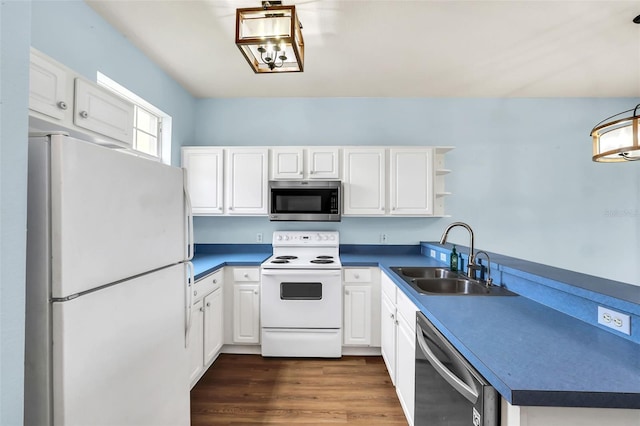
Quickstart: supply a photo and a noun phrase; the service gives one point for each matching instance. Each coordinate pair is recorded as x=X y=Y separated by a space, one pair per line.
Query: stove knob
x=332 y=237
x=326 y=237
x=279 y=238
x=286 y=238
x=318 y=237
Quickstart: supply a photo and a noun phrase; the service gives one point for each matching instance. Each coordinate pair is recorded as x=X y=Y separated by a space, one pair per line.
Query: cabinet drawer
x=357 y=275
x=246 y=274
x=407 y=309
x=206 y=285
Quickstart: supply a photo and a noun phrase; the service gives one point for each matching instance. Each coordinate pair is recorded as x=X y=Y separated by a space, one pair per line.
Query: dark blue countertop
x=532 y=354
x=210 y=257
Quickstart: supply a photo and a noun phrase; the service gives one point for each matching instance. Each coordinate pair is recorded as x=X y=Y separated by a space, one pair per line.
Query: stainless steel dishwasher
x=449 y=391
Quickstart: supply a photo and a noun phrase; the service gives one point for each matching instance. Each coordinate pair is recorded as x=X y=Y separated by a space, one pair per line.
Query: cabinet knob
x=84 y=114
x=346 y=292
x=392 y=316
x=356 y=276
x=62 y=105
x=393 y=208
x=382 y=208
x=311 y=172
x=208 y=304
x=201 y=309
x=255 y=292
x=215 y=281
x=195 y=293
x=397 y=322
x=246 y=275
x=230 y=208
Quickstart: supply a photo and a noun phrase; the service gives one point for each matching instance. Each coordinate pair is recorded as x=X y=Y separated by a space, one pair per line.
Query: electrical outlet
x=615 y=320
x=432 y=253
x=259 y=237
x=383 y=238
x=443 y=257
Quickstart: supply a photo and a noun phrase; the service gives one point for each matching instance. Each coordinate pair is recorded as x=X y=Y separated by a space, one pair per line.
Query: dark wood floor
x=250 y=390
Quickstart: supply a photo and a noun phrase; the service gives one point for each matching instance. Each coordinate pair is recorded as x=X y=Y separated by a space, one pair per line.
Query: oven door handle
x=461 y=387
x=319 y=272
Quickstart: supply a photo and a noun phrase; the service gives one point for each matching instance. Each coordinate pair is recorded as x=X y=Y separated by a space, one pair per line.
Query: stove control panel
x=306 y=238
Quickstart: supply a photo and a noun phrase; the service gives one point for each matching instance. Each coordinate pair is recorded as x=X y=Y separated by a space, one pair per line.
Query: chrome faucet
x=471 y=265
x=489 y=280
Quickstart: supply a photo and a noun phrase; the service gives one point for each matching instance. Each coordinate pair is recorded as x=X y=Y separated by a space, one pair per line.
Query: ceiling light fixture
x=615 y=138
x=270 y=38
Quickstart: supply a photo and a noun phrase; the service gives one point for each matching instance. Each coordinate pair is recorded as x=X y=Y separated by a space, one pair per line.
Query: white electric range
x=301 y=297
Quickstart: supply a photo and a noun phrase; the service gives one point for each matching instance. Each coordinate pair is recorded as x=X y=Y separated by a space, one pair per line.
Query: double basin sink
x=435 y=280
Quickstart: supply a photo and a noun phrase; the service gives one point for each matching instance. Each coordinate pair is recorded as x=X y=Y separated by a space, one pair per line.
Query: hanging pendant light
x=616 y=139
x=270 y=38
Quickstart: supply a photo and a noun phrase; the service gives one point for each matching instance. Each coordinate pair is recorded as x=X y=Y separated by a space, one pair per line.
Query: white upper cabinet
x=99 y=110
x=323 y=163
x=287 y=163
x=364 y=181
x=59 y=99
x=411 y=181
x=305 y=163
x=246 y=180
x=48 y=88
x=204 y=179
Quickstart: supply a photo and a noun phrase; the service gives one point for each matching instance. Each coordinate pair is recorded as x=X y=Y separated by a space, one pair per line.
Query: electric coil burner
x=301 y=298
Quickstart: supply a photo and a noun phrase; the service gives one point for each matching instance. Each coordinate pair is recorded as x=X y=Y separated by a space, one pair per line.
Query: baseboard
x=360 y=351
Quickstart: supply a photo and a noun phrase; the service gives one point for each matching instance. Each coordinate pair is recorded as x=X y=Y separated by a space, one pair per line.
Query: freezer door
x=113 y=216
x=119 y=354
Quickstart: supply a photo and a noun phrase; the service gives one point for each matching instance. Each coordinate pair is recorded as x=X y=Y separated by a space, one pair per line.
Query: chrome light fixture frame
x=269 y=52
x=621 y=150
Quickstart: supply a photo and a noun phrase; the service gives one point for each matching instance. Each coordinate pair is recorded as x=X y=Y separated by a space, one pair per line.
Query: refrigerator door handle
x=190 y=280
x=188 y=215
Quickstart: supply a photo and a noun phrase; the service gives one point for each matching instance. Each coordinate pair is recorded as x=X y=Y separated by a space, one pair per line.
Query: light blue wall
x=522 y=172
x=73 y=34
x=14 y=84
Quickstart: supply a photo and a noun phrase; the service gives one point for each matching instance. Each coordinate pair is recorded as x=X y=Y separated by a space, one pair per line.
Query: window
x=151 y=126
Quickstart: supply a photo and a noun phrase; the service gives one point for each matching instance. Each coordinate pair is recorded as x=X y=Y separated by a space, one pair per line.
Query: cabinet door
x=48 y=88
x=323 y=163
x=411 y=181
x=388 y=335
x=101 y=111
x=405 y=367
x=212 y=325
x=204 y=178
x=286 y=163
x=357 y=315
x=364 y=182
x=246 y=181
x=246 y=313
x=196 y=342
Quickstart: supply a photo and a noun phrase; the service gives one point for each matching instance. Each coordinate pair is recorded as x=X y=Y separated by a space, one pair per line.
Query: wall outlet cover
x=614 y=320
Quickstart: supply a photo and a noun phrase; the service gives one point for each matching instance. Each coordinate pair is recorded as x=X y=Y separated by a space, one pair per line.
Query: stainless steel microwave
x=305 y=200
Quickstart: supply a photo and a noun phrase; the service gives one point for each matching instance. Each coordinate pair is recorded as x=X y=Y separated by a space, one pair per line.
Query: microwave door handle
x=461 y=387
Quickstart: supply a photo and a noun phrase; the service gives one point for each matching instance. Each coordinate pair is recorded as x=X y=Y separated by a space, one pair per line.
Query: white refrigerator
x=108 y=242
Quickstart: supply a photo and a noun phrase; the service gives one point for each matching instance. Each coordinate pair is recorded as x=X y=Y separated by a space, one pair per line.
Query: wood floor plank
x=252 y=390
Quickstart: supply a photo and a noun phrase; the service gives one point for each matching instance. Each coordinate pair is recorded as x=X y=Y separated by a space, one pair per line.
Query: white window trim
x=165 y=136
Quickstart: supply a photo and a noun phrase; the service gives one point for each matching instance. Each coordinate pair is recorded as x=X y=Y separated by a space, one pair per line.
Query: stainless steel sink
x=434 y=281
x=425 y=272
x=449 y=286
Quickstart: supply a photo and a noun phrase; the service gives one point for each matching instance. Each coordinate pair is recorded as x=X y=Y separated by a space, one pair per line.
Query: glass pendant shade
x=270 y=39
x=618 y=138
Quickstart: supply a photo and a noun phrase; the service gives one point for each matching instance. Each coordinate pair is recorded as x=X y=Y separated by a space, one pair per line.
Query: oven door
x=292 y=298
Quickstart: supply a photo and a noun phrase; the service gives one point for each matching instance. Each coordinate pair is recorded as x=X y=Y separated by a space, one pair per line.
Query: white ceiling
x=383 y=48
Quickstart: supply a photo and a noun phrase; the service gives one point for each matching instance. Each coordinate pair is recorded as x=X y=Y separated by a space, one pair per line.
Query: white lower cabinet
x=205 y=334
x=246 y=306
x=388 y=326
x=361 y=320
x=406 y=354
x=398 y=315
x=514 y=415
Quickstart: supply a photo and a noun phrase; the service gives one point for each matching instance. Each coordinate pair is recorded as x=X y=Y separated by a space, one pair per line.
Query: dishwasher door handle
x=461 y=387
